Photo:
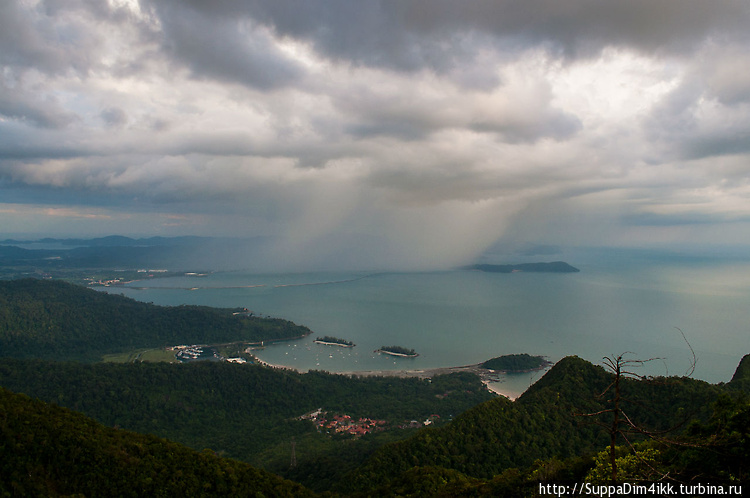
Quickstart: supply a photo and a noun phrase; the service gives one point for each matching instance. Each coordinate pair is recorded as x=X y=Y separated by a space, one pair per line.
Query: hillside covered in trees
x=545 y=422
x=710 y=445
x=497 y=448
x=46 y=450
x=57 y=320
x=247 y=411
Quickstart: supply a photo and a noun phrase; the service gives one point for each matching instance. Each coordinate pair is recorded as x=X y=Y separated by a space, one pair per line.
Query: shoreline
x=488 y=377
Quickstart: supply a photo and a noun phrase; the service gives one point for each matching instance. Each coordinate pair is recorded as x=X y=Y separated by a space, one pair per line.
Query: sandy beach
x=488 y=377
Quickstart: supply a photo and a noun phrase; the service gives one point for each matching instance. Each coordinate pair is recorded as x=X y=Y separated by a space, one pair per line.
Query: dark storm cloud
x=696 y=121
x=234 y=49
x=22 y=41
x=718 y=144
x=114 y=117
x=20 y=142
x=516 y=111
x=411 y=34
x=369 y=33
x=228 y=40
x=554 y=124
x=17 y=104
x=62 y=35
x=55 y=36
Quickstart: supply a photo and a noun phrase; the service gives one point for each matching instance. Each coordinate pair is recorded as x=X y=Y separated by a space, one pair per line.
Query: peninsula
x=553 y=267
x=328 y=340
x=397 y=351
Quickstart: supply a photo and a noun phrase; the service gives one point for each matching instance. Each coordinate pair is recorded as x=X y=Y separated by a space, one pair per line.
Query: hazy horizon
x=259 y=254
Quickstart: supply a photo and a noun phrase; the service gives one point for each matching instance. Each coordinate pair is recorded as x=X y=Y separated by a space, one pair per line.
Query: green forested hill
x=54 y=319
x=715 y=453
x=498 y=448
x=741 y=378
x=543 y=423
x=49 y=451
x=247 y=411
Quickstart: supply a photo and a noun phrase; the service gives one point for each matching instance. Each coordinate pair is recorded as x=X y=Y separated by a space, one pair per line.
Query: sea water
x=462 y=317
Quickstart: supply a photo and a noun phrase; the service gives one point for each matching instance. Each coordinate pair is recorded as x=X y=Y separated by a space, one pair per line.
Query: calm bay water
x=463 y=317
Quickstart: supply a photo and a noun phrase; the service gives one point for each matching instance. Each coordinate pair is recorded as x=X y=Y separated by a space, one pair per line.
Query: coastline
x=488 y=377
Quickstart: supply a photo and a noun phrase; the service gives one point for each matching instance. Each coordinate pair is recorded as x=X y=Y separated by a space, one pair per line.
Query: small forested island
x=333 y=341
x=398 y=351
x=515 y=363
x=553 y=267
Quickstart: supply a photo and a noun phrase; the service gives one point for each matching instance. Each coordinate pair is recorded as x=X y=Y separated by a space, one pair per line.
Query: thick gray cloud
x=18 y=104
x=432 y=127
x=55 y=36
x=412 y=34
x=231 y=49
x=114 y=116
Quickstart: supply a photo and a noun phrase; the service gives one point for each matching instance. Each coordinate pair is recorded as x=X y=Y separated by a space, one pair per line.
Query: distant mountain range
x=112 y=241
x=116 y=251
x=176 y=253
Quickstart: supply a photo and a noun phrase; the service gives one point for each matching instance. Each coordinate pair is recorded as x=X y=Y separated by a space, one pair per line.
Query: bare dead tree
x=622 y=425
x=621 y=368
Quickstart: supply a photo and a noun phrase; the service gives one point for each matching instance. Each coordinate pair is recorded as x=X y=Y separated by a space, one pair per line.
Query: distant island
x=553 y=267
x=333 y=341
x=516 y=363
x=397 y=351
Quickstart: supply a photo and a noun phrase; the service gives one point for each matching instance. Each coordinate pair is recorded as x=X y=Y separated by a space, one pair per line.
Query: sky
x=414 y=132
